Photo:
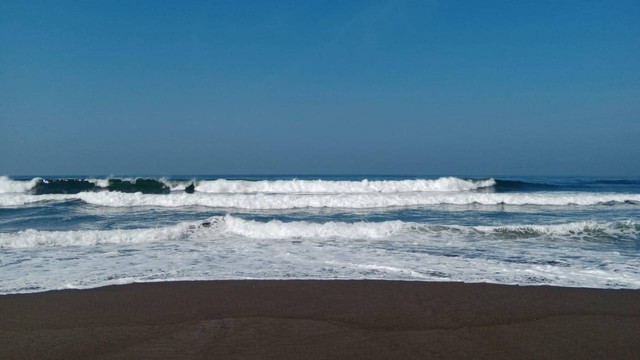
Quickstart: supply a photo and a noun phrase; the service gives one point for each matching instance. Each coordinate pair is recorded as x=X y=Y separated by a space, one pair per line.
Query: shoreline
x=317 y=319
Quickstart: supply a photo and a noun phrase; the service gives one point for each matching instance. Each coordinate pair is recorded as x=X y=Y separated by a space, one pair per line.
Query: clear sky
x=313 y=87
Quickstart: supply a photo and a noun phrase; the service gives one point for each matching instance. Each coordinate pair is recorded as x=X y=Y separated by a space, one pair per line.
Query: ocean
x=82 y=232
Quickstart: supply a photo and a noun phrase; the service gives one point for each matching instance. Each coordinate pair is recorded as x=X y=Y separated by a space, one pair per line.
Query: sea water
x=81 y=232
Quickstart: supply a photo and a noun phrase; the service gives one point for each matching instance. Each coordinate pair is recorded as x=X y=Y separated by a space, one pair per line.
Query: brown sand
x=321 y=320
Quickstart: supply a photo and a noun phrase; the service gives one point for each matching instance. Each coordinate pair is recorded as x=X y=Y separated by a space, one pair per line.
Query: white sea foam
x=234 y=248
x=8 y=185
x=340 y=187
x=218 y=227
x=346 y=201
x=103 y=183
x=177 y=185
x=35 y=238
x=19 y=199
x=276 y=229
x=365 y=200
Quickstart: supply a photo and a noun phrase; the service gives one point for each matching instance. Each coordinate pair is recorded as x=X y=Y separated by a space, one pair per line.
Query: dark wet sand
x=321 y=320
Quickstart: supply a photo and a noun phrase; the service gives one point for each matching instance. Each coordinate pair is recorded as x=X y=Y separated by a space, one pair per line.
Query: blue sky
x=313 y=87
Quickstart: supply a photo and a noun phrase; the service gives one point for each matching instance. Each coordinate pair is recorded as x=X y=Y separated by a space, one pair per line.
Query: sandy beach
x=320 y=320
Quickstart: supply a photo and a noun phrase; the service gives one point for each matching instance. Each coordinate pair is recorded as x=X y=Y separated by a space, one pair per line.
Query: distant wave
x=615 y=182
x=39 y=186
x=217 y=227
x=339 y=187
x=517 y=186
x=14 y=186
x=43 y=186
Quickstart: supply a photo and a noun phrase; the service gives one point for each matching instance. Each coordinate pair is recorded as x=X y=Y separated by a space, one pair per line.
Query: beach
x=319 y=319
x=319 y=180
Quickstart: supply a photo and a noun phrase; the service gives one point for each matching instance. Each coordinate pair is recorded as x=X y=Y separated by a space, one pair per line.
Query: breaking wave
x=276 y=229
x=40 y=186
x=344 y=201
x=224 y=226
x=43 y=186
x=340 y=187
x=13 y=186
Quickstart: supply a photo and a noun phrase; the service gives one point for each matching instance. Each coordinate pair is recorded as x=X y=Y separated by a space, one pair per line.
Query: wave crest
x=8 y=185
x=39 y=186
x=340 y=187
x=224 y=226
x=338 y=201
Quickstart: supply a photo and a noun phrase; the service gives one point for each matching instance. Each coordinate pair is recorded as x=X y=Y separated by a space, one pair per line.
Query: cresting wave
x=12 y=186
x=340 y=187
x=39 y=186
x=276 y=229
x=341 y=201
x=42 y=186
x=219 y=227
